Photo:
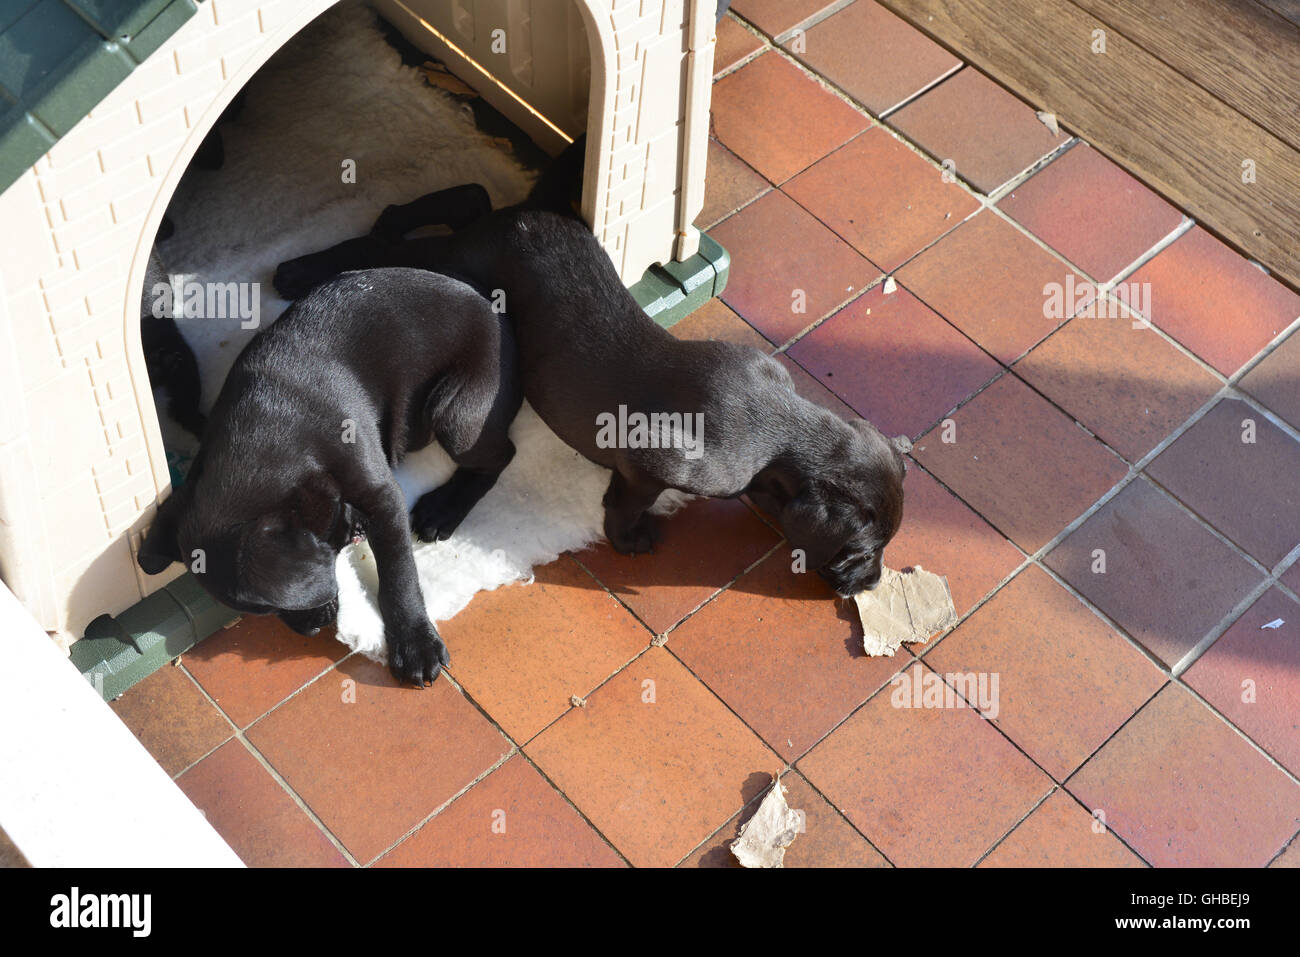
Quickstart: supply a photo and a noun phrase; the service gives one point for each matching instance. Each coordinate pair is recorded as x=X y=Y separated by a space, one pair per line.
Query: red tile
x=990 y=135
x=828 y=840
x=704 y=546
x=941 y=534
x=522 y=651
x=716 y=321
x=894 y=360
x=372 y=759
x=771 y=115
x=1061 y=834
x=729 y=184
x=1291 y=577
x=1249 y=490
x=775 y=17
x=735 y=44
x=254 y=814
x=256 y=663
x=1019 y=462
x=1166 y=580
x=991 y=281
x=1128 y=385
x=172 y=719
x=882 y=197
x=512 y=818
x=773 y=633
x=877 y=58
x=1066 y=679
x=787 y=269
x=654 y=760
x=930 y=787
x=1092 y=212
x=1212 y=300
x=1290 y=857
x=807 y=386
x=1185 y=790
x=1275 y=382
x=1252 y=675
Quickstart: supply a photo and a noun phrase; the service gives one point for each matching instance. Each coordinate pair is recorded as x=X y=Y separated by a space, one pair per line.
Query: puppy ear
x=901 y=443
x=809 y=526
x=160 y=546
x=285 y=566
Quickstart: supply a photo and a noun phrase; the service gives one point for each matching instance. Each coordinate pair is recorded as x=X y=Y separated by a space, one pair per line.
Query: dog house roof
x=59 y=58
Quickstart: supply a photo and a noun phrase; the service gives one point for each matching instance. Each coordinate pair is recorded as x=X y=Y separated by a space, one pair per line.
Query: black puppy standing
x=297 y=457
x=586 y=348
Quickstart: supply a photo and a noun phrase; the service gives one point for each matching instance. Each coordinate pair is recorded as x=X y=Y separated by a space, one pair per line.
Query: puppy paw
x=417 y=656
x=297 y=277
x=439 y=513
x=388 y=225
x=639 y=539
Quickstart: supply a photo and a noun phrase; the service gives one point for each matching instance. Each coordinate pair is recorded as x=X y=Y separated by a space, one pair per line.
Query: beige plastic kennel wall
x=81 y=457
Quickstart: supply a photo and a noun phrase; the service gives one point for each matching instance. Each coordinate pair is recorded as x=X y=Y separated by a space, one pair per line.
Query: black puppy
x=297 y=458
x=590 y=355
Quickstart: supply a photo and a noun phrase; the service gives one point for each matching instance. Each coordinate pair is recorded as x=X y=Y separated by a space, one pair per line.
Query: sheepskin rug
x=339 y=92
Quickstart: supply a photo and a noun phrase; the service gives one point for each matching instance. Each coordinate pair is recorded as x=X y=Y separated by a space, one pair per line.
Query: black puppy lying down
x=588 y=353
x=298 y=454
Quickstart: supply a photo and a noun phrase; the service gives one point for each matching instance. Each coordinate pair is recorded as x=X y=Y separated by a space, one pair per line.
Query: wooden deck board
x=1181 y=139
x=1234 y=50
x=1290 y=9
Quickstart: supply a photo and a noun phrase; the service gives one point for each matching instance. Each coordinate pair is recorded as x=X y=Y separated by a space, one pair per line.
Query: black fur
x=586 y=347
x=298 y=455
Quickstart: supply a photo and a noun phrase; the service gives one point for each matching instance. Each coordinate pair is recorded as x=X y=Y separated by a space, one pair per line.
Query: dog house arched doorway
x=82 y=464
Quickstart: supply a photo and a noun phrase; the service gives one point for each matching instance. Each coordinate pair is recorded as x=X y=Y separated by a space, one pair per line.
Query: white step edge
x=76 y=787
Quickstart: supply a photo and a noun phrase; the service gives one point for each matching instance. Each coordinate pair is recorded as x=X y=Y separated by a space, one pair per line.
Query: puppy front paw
x=416 y=655
x=637 y=539
x=297 y=277
x=439 y=513
x=388 y=225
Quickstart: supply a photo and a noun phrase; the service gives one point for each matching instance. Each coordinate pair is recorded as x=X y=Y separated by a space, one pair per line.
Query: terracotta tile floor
x=1113 y=501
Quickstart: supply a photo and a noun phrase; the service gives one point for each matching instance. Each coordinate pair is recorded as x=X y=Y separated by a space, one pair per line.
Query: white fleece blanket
x=340 y=92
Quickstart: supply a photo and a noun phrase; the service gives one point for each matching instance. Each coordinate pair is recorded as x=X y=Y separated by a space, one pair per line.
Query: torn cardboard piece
x=765 y=836
x=904 y=607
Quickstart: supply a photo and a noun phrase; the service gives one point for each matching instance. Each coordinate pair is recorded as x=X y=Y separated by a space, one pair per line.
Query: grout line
x=998 y=842
x=275 y=775
x=1285 y=847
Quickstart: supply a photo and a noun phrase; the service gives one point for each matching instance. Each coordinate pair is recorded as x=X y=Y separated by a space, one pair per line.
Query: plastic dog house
x=81 y=458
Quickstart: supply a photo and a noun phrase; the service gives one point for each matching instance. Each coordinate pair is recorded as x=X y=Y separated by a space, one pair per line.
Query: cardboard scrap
x=435 y=74
x=904 y=607
x=765 y=836
x=1049 y=120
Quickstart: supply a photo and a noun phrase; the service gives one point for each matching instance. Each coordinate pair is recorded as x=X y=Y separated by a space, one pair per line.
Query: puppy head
x=264 y=566
x=847 y=503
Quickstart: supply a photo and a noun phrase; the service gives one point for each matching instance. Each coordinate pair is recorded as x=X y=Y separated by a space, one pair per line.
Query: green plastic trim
x=60 y=58
x=118 y=652
x=670 y=293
